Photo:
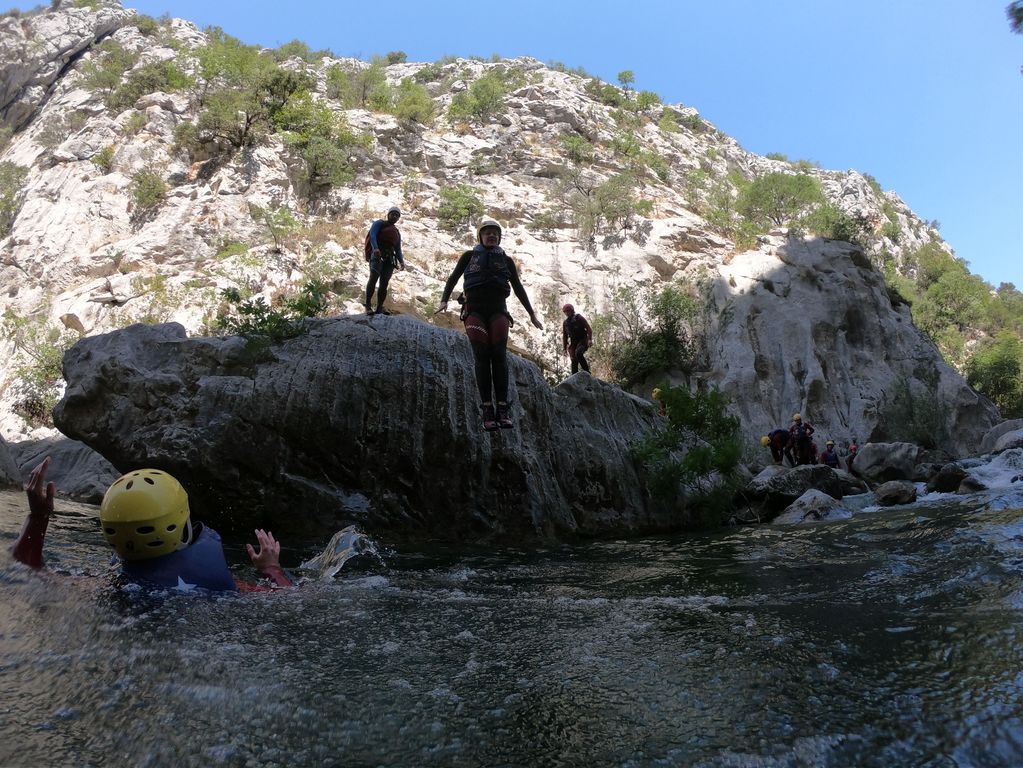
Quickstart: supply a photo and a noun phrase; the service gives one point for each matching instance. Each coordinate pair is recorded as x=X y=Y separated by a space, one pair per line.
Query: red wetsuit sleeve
x=276 y=575
x=28 y=549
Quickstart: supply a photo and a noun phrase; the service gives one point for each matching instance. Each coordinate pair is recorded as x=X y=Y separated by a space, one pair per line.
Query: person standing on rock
x=490 y=277
x=853 y=448
x=800 y=433
x=383 y=249
x=576 y=338
x=830 y=455
x=145 y=518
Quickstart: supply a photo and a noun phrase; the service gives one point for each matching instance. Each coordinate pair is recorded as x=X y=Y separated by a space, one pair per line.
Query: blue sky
x=925 y=95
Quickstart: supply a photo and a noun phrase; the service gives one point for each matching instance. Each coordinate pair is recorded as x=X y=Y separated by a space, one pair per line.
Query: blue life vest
x=201 y=564
x=487 y=268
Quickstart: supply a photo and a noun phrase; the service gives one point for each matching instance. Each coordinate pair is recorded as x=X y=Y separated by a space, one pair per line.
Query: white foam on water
x=999 y=471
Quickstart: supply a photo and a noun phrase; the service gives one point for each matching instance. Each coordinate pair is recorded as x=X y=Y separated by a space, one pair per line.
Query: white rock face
x=794 y=324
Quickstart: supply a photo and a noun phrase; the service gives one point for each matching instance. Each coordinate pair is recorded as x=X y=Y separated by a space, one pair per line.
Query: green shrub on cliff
x=261 y=324
x=12 y=184
x=647 y=335
x=37 y=380
x=695 y=456
x=777 y=198
x=459 y=208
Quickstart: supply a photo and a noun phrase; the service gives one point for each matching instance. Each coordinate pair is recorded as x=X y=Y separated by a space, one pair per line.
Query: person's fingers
x=50 y=490
x=251 y=551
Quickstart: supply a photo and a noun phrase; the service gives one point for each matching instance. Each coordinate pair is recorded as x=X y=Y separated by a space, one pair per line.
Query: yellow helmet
x=144 y=514
x=656 y=394
x=796 y=417
x=484 y=223
x=830 y=442
x=765 y=441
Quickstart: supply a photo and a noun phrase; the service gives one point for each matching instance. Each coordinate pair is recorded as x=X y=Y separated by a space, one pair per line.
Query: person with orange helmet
x=576 y=338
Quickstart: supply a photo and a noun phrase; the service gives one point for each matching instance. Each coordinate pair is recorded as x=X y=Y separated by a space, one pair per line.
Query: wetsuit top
x=200 y=564
x=801 y=430
x=385 y=236
x=779 y=438
x=490 y=276
x=576 y=329
x=830 y=457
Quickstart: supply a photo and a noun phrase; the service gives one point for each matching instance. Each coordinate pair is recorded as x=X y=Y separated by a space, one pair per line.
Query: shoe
x=503 y=419
x=489 y=419
x=369 y=311
x=382 y=311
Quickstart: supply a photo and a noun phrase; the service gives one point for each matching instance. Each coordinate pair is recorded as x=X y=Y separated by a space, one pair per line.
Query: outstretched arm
x=267 y=558
x=520 y=292
x=28 y=549
x=453 y=279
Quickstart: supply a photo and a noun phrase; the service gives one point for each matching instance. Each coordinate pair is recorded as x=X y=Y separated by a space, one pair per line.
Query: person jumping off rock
x=490 y=277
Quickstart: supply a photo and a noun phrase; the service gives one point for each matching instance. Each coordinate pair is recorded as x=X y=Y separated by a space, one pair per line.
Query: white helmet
x=393 y=209
x=487 y=222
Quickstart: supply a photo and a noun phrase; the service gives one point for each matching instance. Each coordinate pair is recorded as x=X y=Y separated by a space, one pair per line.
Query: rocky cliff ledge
x=371 y=421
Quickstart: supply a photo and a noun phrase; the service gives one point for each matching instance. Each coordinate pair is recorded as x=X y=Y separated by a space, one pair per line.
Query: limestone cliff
x=794 y=323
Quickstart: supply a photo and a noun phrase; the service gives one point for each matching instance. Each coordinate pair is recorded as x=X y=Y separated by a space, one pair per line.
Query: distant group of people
x=797 y=445
x=489 y=276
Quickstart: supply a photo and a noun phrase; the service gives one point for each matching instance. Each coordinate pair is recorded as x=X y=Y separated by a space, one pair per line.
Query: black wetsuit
x=490 y=277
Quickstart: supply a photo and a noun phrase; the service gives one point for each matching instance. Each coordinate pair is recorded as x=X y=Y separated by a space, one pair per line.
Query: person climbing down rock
x=576 y=338
x=383 y=251
x=490 y=277
x=780 y=443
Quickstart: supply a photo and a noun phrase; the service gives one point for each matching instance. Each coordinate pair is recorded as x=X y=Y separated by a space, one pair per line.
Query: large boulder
x=78 y=471
x=881 y=462
x=372 y=421
x=809 y=325
x=811 y=507
x=776 y=487
x=1011 y=439
x=987 y=443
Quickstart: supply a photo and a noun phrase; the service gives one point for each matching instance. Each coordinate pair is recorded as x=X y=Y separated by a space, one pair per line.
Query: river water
x=892 y=638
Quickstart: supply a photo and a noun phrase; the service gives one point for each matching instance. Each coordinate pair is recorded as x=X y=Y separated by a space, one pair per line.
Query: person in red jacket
x=145 y=517
x=576 y=338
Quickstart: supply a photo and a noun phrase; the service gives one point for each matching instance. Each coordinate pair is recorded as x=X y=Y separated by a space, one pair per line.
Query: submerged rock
x=948 y=478
x=895 y=492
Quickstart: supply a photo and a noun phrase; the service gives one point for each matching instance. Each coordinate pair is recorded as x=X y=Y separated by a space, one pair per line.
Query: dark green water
x=891 y=639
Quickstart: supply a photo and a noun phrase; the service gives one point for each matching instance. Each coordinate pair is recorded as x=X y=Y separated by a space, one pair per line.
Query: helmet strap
x=186 y=534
